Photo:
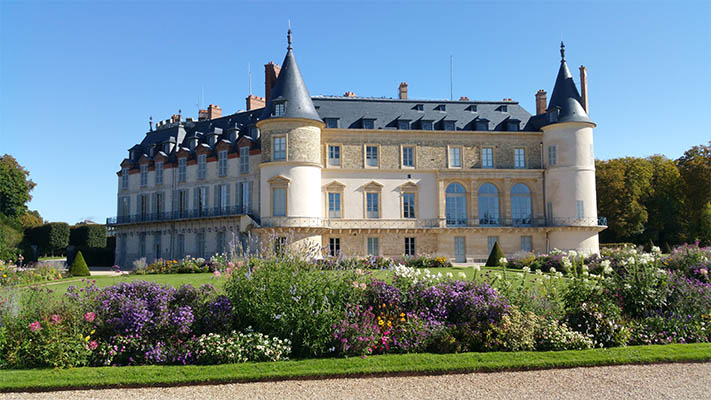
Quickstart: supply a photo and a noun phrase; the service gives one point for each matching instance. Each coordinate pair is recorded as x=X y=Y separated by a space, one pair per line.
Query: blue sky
x=79 y=79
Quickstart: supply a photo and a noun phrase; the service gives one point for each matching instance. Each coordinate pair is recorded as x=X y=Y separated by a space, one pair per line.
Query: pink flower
x=35 y=326
x=217 y=274
x=89 y=317
x=56 y=319
x=704 y=271
x=93 y=345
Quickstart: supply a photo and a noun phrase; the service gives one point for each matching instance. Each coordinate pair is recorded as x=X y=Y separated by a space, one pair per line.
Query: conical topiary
x=495 y=256
x=79 y=267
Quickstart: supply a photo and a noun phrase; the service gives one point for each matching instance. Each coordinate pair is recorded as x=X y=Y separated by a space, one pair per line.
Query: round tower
x=570 y=195
x=290 y=172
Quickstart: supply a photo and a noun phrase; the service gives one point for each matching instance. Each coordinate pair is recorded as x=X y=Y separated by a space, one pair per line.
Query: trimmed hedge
x=495 y=256
x=51 y=238
x=88 y=235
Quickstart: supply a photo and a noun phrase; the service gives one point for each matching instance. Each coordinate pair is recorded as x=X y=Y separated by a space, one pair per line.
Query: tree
x=15 y=187
x=695 y=169
x=665 y=202
x=31 y=218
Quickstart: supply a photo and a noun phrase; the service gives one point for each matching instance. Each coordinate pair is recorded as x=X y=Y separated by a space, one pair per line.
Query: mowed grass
x=399 y=364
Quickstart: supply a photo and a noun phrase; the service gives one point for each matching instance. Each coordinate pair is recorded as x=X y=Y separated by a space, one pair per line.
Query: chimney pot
x=271 y=74
x=584 y=88
x=349 y=94
x=464 y=98
x=541 y=101
x=402 y=91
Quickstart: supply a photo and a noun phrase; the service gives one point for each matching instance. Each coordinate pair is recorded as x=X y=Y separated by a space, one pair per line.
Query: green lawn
x=413 y=364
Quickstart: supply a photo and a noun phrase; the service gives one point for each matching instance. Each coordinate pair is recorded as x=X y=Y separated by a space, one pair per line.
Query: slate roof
x=565 y=97
x=351 y=111
x=290 y=88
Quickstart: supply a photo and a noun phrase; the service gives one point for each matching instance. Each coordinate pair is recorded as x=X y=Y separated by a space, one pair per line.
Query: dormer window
x=503 y=108
x=441 y=107
x=331 y=122
x=419 y=107
x=403 y=124
x=426 y=125
x=481 y=125
x=512 y=125
x=448 y=125
x=131 y=154
x=472 y=108
x=368 y=123
x=279 y=108
x=166 y=148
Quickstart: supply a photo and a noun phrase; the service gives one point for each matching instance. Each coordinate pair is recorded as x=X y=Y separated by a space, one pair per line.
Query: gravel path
x=661 y=381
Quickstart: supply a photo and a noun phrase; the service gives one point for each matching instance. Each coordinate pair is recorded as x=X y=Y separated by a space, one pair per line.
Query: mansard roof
x=565 y=99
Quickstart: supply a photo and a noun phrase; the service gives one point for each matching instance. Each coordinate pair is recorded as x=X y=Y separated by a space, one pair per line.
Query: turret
x=291 y=152
x=569 y=168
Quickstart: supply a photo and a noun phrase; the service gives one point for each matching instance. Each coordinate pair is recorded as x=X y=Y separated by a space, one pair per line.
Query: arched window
x=488 y=204
x=456 y=205
x=521 y=204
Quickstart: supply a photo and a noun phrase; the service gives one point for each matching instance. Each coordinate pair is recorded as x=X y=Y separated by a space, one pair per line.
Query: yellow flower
x=402 y=319
x=86 y=339
x=402 y=314
x=92 y=332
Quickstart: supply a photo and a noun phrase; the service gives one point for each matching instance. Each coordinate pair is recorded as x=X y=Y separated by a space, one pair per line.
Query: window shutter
x=196 y=198
x=154 y=209
x=238 y=197
x=216 y=194
x=248 y=200
x=128 y=206
x=175 y=200
x=227 y=196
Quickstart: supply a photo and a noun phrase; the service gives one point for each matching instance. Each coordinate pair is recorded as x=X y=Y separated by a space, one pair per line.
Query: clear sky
x=79 y=79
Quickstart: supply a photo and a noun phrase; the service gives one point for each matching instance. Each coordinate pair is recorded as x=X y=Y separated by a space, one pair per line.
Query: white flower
x=498 y=276
x=449 y=275
x=503 y=260
x=656 y=250
x=573 y=253
x=552 y=270
x=526 y=270
x=462 y=275
x=539 y=272
x=476 y=268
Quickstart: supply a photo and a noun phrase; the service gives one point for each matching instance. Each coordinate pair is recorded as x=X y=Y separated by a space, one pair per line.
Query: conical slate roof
x=565 y=95
x=290 y=87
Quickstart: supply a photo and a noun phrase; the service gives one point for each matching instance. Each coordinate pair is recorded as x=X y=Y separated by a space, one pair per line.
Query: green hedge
x=79 y=267
x=51 y=238
x=88 y=235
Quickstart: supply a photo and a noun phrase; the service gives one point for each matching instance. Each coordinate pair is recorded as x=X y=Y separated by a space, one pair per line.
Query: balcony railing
x=180 y=214
x=313 y=222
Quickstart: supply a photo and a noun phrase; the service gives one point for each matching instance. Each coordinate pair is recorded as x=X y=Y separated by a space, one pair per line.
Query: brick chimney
x=271 y=74
x=541 y=101
x=254 y=102
x=402 y=91
x=349 y=94
x=213 y=111
x=464 y=98
x=584 y=87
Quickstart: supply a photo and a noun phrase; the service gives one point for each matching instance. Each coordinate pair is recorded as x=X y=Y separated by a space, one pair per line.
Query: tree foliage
x=88 y=235
x=15 y=187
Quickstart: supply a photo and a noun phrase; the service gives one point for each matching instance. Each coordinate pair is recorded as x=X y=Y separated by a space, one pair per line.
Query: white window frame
x=202 y=166
x=454 y=156
x=222 y=163
x=373 y=246
x=405 y=213
x=487 y=157
x=335 y=202
x=372 y=208
x=279 y=145
x=334 y=154
x=279 y=109
x=519 y=157
x=182 y=169
x=244 y=160
x=124 y=178
x=552 y=155
x=159 y=172
x=144 y=175
x=334 y=246
x=410 y=246
x=279 y=212
x=527 y=243
x=408 y=161
x=372 y=155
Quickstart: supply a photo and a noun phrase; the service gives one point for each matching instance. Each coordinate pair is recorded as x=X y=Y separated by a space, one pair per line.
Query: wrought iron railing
x=180 y=214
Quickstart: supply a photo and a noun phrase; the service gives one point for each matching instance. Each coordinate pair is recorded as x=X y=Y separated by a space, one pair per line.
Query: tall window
x=279 y=202
x=180 y=248
x=373 y=246
x=549 y=212
x=159 y=172
x=371 y=156
x=334 y=205
x=490 y=242
x=408 y=205
x=408 y=156
x=579 y=209
x=142 y=244
x=372 y=208
x=144 y=175
x=220 y=245
x=223 y=200
x=552 y=155
x=334 y=155
x=222 y=163
x=487 y=157
x=526 y=244
x=124 y=206
x=280 y=148
x=244 y=190
x=488 y=204
x=182 y=169
x=334 y=247
x=519 y=158
x=409 y=246
x=279 y=109
x=182 y=203
x=157 y=245
x=201 y=203
x=456 y=205
x=201 y=244
x=244 y=160
x=521 y=204
x=202 y=166
x=455 y=157
x=144 y=206
x=158 y=204
x=124 y=178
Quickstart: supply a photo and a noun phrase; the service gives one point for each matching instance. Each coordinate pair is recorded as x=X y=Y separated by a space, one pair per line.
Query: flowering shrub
x=426 y=262
x=691 y=260
x=186 y=265
x=12 y=275
x=554 y=335
x=239 y=347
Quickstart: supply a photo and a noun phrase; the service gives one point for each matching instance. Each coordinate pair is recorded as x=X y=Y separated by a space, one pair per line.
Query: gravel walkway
x=662 y=381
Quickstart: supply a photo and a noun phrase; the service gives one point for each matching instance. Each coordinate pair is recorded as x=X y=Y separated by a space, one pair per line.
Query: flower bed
x=277 y=308
x=12 y=275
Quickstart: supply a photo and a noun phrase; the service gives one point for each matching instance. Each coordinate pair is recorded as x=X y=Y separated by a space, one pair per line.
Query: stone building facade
x=363 y=176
